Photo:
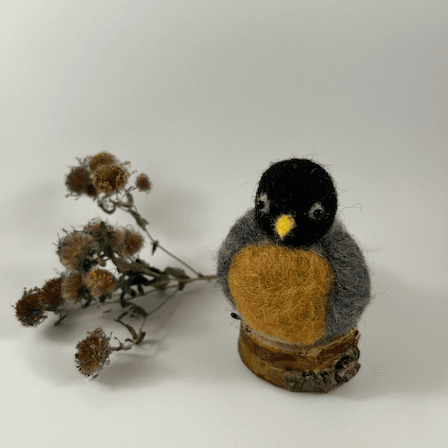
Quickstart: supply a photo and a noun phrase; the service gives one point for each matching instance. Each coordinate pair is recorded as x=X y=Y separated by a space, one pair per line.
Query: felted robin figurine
x=289 y=266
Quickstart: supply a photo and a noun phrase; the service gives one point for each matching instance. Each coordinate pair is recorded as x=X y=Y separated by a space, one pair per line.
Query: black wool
x=301 y=189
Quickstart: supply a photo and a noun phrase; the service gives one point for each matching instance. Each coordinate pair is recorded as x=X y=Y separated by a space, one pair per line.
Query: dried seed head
x=118 y=242
x=30 y=308
x=91 y=190
x=93 y=353
x=143 y=183
x=100 y=281
x=51 y=293
x=110 y=178
x=101 y=159
x=71 y=286
x=126 y=242
x=93 y=228
x=76 y=249
x=79 y=181
x=133 y=241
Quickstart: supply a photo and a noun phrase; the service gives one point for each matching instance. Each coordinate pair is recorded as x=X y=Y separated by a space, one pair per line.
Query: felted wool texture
x=282 y=292
x=243 y=232
x=295 y=187
x=350 y=294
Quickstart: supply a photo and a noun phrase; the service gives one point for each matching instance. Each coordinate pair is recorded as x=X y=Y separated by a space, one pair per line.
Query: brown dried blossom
x=118 y=242
x=101 y=173
x=78 y=180
x=133 y=241
x=93 y=227
x=52 y=293
x=76 y=249
x=71 y=286
x=30 y=308
x=125 y=242
x=101 y=159
x=111 y=178
x=100 y=281
x=143 y=183
x=93 y=353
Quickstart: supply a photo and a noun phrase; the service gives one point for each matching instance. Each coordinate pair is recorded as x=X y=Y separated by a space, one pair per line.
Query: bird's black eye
x=263 y=203
x=316 y=211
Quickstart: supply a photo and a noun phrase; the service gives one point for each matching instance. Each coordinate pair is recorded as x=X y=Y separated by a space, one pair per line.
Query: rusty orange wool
x=282 y=292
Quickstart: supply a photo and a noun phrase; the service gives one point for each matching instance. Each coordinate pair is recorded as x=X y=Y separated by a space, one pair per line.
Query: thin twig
x=127 y=208
x=176 y=258
x=205 y=277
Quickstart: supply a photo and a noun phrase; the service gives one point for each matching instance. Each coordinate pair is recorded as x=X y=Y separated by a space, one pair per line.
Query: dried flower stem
x=204 y=277
x=139 y=336
x=82 y=251
x=127 y=207
x=176 y=258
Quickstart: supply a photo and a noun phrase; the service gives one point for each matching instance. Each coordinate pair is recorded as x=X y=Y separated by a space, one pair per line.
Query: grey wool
x=351 y=292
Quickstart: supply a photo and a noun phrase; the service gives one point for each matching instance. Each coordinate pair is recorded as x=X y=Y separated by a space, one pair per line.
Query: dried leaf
x=122 y=315
x=131 y=330
x=140 y=338
x=176 y=272
x=180 y=275
x=161 y=282
x=130 y=202
x=155 y=245
x=138 y=310
x=140 y=280
x=142 y=222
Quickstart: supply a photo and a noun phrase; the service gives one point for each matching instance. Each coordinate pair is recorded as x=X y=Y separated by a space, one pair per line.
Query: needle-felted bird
x=288 y=265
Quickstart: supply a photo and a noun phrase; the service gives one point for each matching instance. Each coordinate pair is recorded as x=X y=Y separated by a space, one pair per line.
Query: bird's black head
x=296 y=202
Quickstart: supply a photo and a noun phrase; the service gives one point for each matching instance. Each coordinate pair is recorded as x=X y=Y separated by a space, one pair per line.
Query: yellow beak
x=284 y=224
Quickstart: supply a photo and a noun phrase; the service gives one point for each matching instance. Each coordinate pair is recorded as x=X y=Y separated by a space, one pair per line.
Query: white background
x=202 y=96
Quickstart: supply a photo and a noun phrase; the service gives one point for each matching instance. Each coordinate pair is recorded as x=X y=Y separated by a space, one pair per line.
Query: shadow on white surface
x=192 y=339
x=403 y=342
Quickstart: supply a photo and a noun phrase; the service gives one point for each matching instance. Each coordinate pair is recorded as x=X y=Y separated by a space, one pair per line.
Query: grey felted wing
x=351 y=290
x=242 y=233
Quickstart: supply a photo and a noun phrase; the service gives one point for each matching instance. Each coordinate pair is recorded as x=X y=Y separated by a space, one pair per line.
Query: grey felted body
x=351 y=290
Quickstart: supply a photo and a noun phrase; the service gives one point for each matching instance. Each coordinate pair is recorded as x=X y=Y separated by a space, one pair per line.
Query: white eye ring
x=264 y=199
x=316 y=206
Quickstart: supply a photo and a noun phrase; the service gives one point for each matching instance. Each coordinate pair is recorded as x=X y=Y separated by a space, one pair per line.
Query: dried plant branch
x=84 y=253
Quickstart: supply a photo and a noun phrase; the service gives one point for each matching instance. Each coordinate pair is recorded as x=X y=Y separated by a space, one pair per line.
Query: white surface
x=202 y=96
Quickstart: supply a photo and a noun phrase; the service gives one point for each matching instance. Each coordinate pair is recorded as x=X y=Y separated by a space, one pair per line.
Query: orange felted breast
x=282 y=292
